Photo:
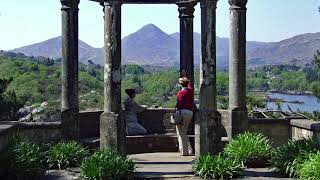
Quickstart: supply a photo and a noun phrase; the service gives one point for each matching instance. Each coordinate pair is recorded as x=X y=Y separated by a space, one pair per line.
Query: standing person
x=184 y=108
x=131 y=109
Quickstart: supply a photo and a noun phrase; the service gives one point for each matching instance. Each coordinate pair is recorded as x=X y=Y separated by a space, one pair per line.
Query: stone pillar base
x=112 y=132
x=239 y=121
x=70 y=124
x=208 y=132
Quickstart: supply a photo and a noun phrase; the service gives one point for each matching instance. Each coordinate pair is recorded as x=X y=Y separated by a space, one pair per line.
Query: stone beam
x=208 y=122
x=148 y=1
x=112 y=124
x=237 y=67
x=70 y=74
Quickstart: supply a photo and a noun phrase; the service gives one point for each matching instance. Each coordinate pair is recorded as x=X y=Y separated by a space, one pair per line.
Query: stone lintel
x=146 y=1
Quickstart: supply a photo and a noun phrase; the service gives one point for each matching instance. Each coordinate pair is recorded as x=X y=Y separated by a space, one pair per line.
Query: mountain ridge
x=152 y=46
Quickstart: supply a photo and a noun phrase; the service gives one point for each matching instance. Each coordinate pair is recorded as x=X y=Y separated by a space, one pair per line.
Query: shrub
x=23 y=159
x=107 y=165
x=216 y=167
x=288 y=157
x=310 y=169
x=63 y=155
x=249 y=148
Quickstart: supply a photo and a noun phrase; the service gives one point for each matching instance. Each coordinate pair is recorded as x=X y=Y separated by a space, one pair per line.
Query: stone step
x=147 y=143
x=162 y=165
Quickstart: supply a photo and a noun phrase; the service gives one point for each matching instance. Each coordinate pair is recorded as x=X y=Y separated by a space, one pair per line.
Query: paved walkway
x=166 y=166
x=173 y=166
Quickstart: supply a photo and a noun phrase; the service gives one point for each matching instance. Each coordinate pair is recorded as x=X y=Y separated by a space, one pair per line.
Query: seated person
x=131 y=109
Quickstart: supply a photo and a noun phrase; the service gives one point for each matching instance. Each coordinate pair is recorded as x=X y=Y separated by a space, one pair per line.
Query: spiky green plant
x=23 y=159
x=106 y=164
x=66 y=154
x=249 y=147
x=216 y=167
x=287 y=158
x=310 y=169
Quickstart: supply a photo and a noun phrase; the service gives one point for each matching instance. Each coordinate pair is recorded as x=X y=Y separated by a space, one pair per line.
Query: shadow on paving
x=263 y=173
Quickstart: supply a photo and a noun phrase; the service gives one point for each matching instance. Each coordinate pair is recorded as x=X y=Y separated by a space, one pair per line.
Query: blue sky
x=30 y=21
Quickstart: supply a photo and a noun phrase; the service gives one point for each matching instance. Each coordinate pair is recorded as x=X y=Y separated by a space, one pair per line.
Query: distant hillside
x=151 y=46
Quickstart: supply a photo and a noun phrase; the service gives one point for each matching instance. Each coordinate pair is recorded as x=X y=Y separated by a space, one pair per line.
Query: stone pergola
x=112 y=124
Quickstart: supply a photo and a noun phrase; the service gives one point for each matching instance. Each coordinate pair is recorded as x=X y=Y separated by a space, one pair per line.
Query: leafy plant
x=216 y=167
x=63 y=155
x=288 y=157
x=23 y=159
x=107 y=165
x=310 y=169
x=249 y=147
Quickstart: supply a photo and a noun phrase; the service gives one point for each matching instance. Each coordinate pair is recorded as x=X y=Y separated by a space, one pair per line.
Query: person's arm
x=137 y=108
x=179 y=100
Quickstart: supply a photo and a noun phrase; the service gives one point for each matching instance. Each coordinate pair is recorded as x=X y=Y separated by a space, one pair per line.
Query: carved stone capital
x=69 y=4
x=111 y=3
x=238 y=4
x=186 y=9
x=208 y=3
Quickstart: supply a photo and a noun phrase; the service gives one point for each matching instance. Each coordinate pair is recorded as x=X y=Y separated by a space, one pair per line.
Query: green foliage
x=316 y=59
x=248 y=147
x=107 y=165
x=255 y=101
x=287 y=158
x=23 y=159
x=310 y=169
x=216 y=167
x=9 y=102
x=63 y=155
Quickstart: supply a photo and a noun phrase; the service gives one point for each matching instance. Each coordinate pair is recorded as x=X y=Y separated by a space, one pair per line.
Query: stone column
x=208 y=122
x=186 y=9
x=237 y=67
x=112 y=124
x=70 y=97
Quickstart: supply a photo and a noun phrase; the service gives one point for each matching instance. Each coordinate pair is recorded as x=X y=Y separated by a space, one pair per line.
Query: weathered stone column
x=208 y=122
x=237 y=67
x=70 y=97
x=112 y=124
x=186 y=9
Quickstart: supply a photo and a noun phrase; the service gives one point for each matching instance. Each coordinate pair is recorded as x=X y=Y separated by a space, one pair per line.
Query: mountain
x=151 y=46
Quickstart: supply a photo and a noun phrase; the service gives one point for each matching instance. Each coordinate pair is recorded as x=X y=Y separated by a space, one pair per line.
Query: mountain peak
x=150 y=29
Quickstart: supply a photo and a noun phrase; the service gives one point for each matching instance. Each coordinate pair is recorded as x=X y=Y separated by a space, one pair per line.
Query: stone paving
x=166 y=166
x=173 y=166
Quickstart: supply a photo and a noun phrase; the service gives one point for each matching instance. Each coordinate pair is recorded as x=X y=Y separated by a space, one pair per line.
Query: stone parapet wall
x=277 y=130
x=305 y=129
x=156 y=121
x=39 y=132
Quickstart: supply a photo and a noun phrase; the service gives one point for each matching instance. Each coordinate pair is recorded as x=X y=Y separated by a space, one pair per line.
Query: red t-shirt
x=185 y=98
